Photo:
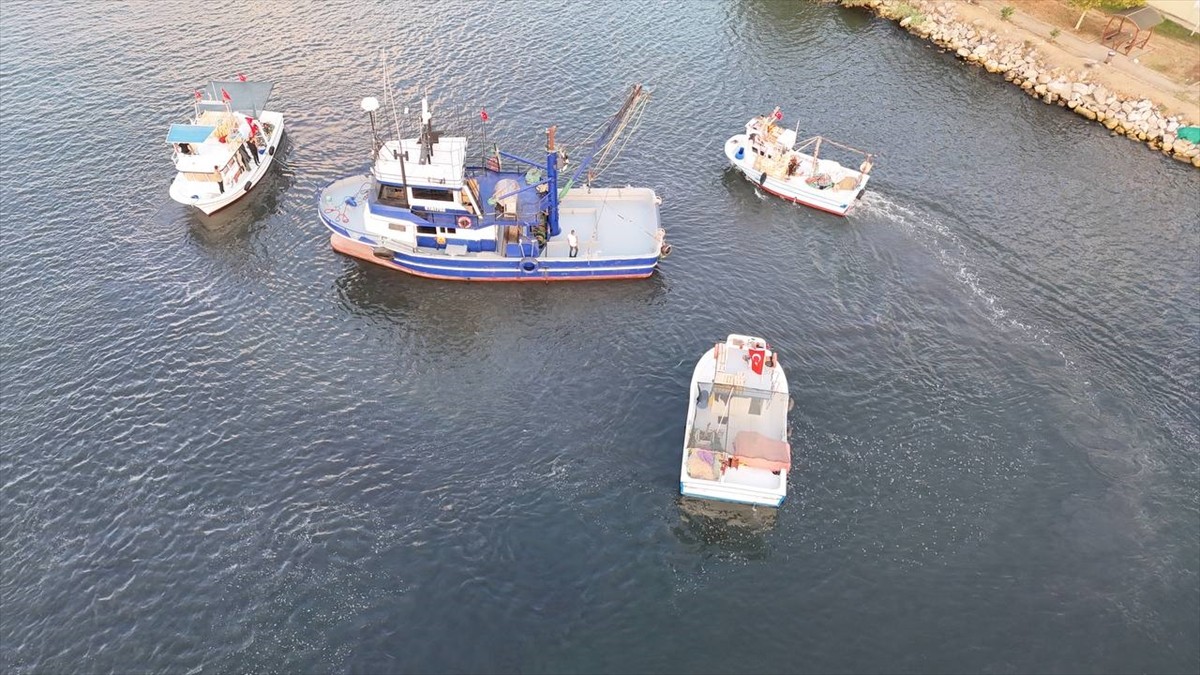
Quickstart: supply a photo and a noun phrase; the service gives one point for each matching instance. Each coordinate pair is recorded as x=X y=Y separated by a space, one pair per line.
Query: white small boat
x=735 y=445
x=227 y=147
x=768 y=155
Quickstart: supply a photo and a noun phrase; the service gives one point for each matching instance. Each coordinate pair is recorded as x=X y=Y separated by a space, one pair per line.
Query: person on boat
x=243 y=156
x=573 y=242
x=220 y=180
x=793 y=166
x=253 y=149
x=252 y=139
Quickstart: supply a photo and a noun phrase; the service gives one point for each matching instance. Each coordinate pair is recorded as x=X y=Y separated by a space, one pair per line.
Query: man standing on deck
x=573 y=242
x=253 y=149
x=251 y=139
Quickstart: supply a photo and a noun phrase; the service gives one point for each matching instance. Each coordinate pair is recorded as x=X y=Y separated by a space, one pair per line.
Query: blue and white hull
x=609 y=244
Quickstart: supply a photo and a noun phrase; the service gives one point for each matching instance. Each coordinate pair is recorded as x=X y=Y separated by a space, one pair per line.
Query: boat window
x=432 y=195
x=448 y=230
x=390 y=195
x=426 y=229
x=397 y=227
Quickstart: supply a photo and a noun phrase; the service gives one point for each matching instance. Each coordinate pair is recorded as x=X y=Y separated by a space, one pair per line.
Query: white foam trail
x=949 y=249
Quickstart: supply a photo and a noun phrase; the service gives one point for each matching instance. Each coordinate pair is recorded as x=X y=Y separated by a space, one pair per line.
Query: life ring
x=441 y=241
x=529 y=265
x=464 y=222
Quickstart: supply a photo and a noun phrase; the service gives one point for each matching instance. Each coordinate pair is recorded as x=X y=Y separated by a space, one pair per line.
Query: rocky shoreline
x=1021 y=64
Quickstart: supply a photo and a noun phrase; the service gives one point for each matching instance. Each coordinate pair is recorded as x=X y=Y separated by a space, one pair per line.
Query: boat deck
x=484 y=186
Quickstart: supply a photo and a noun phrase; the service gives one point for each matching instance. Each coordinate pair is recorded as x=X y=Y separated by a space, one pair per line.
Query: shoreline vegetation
x=1047 y=76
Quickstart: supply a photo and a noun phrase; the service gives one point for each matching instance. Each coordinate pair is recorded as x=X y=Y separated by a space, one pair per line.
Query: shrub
x=1006 y=12
x=907 y=11
x=1054 y=33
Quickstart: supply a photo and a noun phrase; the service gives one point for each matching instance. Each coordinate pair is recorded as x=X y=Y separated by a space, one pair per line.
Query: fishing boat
x=425 y=210
x=769 y=156
x=228 y=145
x=735 y=444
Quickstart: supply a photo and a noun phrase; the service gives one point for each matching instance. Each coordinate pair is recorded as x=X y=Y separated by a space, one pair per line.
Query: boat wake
x=939 y=237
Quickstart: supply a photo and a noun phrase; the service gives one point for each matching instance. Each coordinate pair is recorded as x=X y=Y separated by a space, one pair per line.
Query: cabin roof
x=189 y=133
x=1143 y=17
x=443 y=171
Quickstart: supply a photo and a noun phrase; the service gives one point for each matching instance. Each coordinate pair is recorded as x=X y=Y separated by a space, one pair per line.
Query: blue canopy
x=189 y=133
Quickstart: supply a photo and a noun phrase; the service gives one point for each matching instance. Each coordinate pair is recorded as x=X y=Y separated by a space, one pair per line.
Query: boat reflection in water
x=736 y=530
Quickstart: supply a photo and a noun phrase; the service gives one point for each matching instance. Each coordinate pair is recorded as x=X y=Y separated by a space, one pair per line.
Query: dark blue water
x=225 y=448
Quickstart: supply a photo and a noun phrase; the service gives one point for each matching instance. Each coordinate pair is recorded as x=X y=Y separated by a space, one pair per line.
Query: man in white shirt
x=573 y=242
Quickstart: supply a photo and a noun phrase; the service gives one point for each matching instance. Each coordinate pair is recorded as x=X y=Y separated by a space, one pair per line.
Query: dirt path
x=1081 y=52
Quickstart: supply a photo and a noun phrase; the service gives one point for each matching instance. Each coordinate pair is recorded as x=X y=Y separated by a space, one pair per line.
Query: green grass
x=1006 y=12
x=1170 y=29
x=907 y=11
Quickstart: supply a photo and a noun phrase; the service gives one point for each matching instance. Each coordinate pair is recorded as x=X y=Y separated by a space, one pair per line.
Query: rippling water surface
x=225 y=448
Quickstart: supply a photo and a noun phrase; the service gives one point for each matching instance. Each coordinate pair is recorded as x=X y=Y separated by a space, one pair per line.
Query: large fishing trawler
x=425 y=210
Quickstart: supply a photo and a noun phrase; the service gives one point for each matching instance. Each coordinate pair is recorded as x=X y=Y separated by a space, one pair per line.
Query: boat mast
x=426 y=132
x=399 y=152
x=552 y=183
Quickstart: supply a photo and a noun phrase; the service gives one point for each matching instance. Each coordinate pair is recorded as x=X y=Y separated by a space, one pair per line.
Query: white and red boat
x=769 y=156
x=227 y=147
x=735 y=445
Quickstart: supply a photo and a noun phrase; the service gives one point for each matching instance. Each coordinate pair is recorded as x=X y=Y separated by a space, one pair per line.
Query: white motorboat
x=735 y=445
x=768 y=155
x=227 y=147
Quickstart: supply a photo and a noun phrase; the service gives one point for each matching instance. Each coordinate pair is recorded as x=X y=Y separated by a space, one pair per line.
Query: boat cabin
x=424 y=194
x=741 y=398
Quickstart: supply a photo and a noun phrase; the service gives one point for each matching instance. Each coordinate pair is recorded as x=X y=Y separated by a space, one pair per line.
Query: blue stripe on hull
x=503 y=268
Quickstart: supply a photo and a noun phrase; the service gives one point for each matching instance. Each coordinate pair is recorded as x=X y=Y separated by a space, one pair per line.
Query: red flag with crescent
x=241 y=77
x=225 y=95
x=757 y=356
x=199 y=95
x=483 y=115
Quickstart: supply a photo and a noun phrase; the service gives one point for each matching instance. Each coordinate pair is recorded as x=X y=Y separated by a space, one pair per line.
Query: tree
x=1085 y=5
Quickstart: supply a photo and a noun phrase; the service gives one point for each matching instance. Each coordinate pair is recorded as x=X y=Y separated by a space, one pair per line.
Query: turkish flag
x=224 y=94
x=483 y=115
x=756 y=360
